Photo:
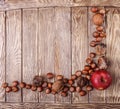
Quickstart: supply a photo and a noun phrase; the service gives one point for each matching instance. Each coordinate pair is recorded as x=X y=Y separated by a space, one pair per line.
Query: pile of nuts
x=80 y=81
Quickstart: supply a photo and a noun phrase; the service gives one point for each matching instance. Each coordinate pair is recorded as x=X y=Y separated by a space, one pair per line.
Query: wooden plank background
x=54 y=39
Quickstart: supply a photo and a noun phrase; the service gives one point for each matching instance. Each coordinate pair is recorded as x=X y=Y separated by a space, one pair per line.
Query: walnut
x=58 y=85
x=100 y=49
x=38 y=80
x=102 y=63
x=82 y=81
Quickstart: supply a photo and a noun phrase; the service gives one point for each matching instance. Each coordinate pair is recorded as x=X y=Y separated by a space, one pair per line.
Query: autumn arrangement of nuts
x=93 y=75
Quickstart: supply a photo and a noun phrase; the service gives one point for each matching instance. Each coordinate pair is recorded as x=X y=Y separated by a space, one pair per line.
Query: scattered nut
x=94 y=9
x=8 y=89
x=15 y=83
x=93 y=43
x=100 y=28
x=73 y=77
x=93 y=65
x=64 y=94
x=65 y=89
x=89 y=88
x=87 y=67
x=50 y=85
x=78 y=89
x=28 y=86
x=50 y=75
x=39 y=89
x=89 y=60
x=82 y=93
x=59 y=77
x=33 y=88
x=99 y=39
x=78 y=73
x=92 y=55
x=102 y=63
x=100 y=49
x=15 y=89
x=96 y=34
x=45 y=84
x=82 y=81
x=84 y=72
x=22 y=85
x=47 y=91
x=5 y=85
x=72 y=89
x=70 y=82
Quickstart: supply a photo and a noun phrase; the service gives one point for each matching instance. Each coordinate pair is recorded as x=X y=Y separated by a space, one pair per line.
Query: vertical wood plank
x=79 y=45
x=30 y=68
x=46 y=46
x=2 y=54
x=13 y=51
x=62 y=46
x=95 y=96
x=113 y=51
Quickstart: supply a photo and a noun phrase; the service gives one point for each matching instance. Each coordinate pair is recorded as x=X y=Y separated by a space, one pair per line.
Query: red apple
x=101 y=79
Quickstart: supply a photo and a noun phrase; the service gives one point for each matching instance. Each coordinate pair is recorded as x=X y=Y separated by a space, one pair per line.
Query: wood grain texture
x=82 y=106
x=46 y=47
x=113 y=51
x=2 y=54
x=79 y=45
x=30 y=65
x=13 y=51
x=62 y=46
x=95 y=96
x=17 y=4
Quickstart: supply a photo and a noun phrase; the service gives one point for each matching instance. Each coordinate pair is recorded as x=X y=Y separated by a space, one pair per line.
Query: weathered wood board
x=53 y=36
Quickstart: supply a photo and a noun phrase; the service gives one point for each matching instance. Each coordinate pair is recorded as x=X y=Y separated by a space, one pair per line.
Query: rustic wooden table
x=38 y=36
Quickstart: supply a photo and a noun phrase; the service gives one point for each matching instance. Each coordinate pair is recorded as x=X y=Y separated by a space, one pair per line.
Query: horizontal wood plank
x=57 y=106
x=15 y=4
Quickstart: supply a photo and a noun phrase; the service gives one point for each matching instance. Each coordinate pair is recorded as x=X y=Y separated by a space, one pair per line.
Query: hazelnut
x=93 y=65
x=88 y=77
x=102 y=11
x=45 y=84
x=8 y=89
x=59 y=77
x=96 y=34
x=89 y=88
x=102 y=34
x=33 y=88
x=15 y=83
x=15 y=89
x=22 y=85
x=100 y=49
x=99 y=28
x=50 y=85
x=78 y=73
x=93 y=43
x=53 y=92
x=4 y=85
x=39 y=89
x=82 y=93
x=89 y=60
x=73 y=77
x=98 y=19
x=99 y=39
x=78 y=89
x=70 y=82
x=72 y=89
x=94 y=9
x=92 y=55
x=47 y=91
x=65 y=89
x=37 y=80
x=87 y=67
x=64 y=94
x=65 y=80
x=50 y=75
x=28 y=86
x=102 y=63
x=58 y=85
x=90 y=71
x=84 y=72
